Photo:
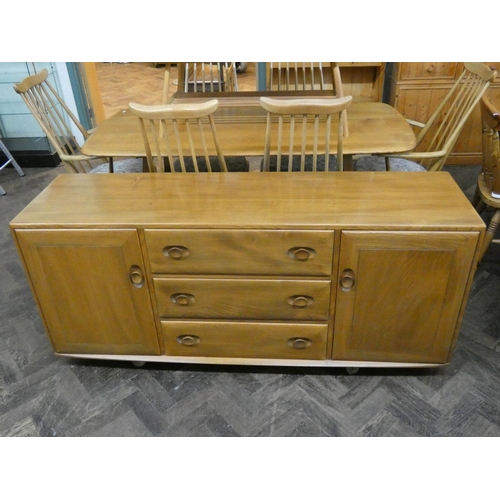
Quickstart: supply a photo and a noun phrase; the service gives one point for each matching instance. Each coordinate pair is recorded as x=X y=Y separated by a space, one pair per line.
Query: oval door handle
x=300 y=301
x=182 y=299
x=347 y=280
x=136 y=277
x=188 y=340
x=176 y=252
x=301 y=253
x=299 y=343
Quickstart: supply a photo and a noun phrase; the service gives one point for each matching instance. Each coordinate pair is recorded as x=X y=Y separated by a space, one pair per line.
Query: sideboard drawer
x=228 y=298
x=245 y=340
x=296 y=253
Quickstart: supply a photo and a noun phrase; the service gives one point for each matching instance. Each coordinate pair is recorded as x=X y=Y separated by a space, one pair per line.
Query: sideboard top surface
x=253 y=200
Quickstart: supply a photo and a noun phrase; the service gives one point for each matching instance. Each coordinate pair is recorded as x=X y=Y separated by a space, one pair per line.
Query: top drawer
x=250 y=252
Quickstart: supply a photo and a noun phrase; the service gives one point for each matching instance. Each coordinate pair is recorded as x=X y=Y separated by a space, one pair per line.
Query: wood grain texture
x=244 y=298
x=241 y=252
x=374 y=127
x=393 y=312
x=46 y=395
x=433 y=265
x=254 y=200
x=81 y=282
x=245 y=340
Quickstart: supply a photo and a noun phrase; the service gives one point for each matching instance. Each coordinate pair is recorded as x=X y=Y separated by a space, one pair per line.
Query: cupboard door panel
x=399 y=294
x=83 y=281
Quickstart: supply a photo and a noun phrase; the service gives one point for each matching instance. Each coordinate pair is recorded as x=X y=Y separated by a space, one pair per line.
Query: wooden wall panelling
x=363 y=80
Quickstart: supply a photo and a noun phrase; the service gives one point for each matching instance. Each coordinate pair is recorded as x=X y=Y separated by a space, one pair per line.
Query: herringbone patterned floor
x=43 y=395
x=142 y=82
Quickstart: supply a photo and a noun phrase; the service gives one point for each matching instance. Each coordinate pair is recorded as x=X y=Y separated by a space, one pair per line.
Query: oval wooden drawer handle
x=299 y=342
x=347 y=280
x=176 y=252
x=136 y=277
x=182 y=299
x=300 y=301
x=301 y=253
x=188 y=340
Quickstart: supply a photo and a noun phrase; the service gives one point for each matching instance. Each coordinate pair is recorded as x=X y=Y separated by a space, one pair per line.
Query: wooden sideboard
x=346 y=269
x=416 y=89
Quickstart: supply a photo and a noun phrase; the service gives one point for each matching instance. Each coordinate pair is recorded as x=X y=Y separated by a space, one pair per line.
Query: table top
x=374 y=127
x=253 y=200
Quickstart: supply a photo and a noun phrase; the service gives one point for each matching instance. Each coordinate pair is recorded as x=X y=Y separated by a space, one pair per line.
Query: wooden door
x=400 y=294
x=91 y=290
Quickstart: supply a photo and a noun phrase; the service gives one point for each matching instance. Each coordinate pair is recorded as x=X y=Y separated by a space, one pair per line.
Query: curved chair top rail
x=30 y=81
x=482 y=70
x=174 y=111
x=305 y=106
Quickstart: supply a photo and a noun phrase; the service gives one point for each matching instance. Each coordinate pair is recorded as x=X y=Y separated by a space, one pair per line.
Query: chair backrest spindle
x=443 y=128
x=312 y=114
x=184 y=137
x=55 y=119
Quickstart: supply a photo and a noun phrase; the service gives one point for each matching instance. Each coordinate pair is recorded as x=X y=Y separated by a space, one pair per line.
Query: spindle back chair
x=180 y=133
x=293 y=125
x=57 y=122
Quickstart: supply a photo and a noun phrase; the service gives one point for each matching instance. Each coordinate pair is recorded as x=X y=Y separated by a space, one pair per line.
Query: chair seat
x=320 y=164
x=233 y=164
x=377 y=164
x=133 y=165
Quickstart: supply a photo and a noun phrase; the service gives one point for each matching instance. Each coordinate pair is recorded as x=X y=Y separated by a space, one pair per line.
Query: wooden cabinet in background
x=416 y=89
x=304 y=269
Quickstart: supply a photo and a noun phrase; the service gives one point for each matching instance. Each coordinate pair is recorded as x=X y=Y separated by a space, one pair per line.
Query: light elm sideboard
x=309 y=269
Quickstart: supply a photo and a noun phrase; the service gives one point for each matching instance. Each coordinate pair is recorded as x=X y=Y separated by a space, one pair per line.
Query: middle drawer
x=243 y=298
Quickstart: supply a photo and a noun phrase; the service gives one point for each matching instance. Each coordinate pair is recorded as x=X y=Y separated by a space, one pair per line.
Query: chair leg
x=111 y=166
x=490 y=233
x=480 y=206
x=11 y=160
x=476 y=198
x=2 y=192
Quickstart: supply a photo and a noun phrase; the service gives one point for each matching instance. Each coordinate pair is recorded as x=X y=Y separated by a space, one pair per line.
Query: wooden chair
x=488 y=183
x=57 y=122
x=10 y=160
x=300 y=121
x=306 y=76
x=201 y=77
x=439 y=135
x=179 y=132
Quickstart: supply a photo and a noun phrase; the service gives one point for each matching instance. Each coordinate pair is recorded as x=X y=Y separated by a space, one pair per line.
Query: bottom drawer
x=245 y=340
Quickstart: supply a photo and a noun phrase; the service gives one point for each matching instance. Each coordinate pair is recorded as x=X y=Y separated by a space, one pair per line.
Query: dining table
x=373 y=127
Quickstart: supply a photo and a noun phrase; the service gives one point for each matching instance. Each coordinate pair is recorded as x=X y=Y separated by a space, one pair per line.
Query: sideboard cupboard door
x=91 y=289
x=399 y=294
